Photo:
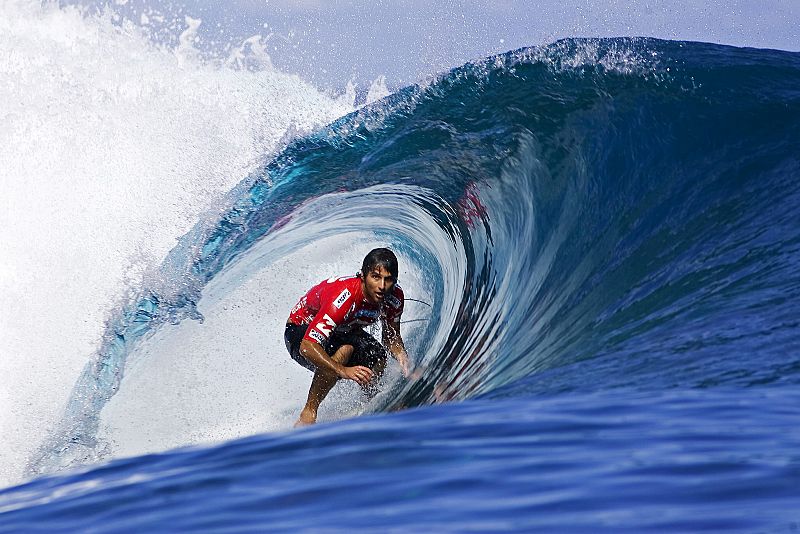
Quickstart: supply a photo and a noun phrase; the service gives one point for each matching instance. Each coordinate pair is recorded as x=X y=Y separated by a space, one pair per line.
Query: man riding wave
x=324 y=332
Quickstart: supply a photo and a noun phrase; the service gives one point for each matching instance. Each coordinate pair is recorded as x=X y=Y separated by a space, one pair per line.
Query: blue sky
x=330 y=42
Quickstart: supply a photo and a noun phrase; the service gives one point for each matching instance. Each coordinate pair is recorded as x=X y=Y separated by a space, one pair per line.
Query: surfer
x=324 y=332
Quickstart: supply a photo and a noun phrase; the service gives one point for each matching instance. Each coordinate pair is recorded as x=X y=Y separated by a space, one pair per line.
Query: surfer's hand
x=404 y=368
x=416 y=375
x=358 y=373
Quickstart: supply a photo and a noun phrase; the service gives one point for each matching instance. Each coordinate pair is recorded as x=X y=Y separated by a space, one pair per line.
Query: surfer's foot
x=307 y=417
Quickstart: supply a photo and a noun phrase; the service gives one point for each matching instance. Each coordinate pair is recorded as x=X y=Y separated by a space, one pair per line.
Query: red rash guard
x=338 y=304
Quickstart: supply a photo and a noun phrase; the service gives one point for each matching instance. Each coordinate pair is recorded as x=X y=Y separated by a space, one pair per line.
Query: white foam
x=377 y=90
x=110 y=149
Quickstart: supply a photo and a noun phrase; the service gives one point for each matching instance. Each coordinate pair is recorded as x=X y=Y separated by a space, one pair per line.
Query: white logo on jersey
x=342 y=298
x=316 y=336
x=326 y=327
x=299 y=305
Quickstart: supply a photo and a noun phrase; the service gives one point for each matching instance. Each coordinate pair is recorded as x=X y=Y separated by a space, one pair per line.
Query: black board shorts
x=367 y=351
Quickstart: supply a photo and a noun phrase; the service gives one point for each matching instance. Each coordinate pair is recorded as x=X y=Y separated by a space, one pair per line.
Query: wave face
x=605 y=230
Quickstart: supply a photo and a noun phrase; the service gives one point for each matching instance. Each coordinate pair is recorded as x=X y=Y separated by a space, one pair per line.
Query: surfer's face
x=378 y=282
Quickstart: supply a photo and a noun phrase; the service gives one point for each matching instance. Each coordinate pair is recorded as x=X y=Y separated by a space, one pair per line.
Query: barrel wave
x=583 y=218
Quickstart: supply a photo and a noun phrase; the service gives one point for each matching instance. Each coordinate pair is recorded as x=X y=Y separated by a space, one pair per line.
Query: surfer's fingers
x=366 y=374
x=360 y=374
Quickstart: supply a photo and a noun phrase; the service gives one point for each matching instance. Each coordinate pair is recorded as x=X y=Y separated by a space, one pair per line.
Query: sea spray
x=112 y=148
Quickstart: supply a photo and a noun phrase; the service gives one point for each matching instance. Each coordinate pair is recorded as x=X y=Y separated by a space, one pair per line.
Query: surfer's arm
x=393 y=341
x=314 y=353
x=318 y=331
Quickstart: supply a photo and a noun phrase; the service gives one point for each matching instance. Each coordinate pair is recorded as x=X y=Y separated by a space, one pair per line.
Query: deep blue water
x=611 y=234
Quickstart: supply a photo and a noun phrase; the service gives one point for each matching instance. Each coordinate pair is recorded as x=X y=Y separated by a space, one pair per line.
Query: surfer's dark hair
x=380 y=257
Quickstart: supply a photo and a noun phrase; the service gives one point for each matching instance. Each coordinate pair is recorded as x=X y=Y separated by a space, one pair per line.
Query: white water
x=110 y=149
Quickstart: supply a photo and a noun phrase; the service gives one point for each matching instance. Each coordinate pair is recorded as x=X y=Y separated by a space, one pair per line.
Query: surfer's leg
x=321 y=385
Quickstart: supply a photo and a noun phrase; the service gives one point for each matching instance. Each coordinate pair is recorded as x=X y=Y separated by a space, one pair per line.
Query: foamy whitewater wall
x=111 y=148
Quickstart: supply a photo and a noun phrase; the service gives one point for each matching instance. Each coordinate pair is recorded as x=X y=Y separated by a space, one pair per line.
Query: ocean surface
x=602 y=241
